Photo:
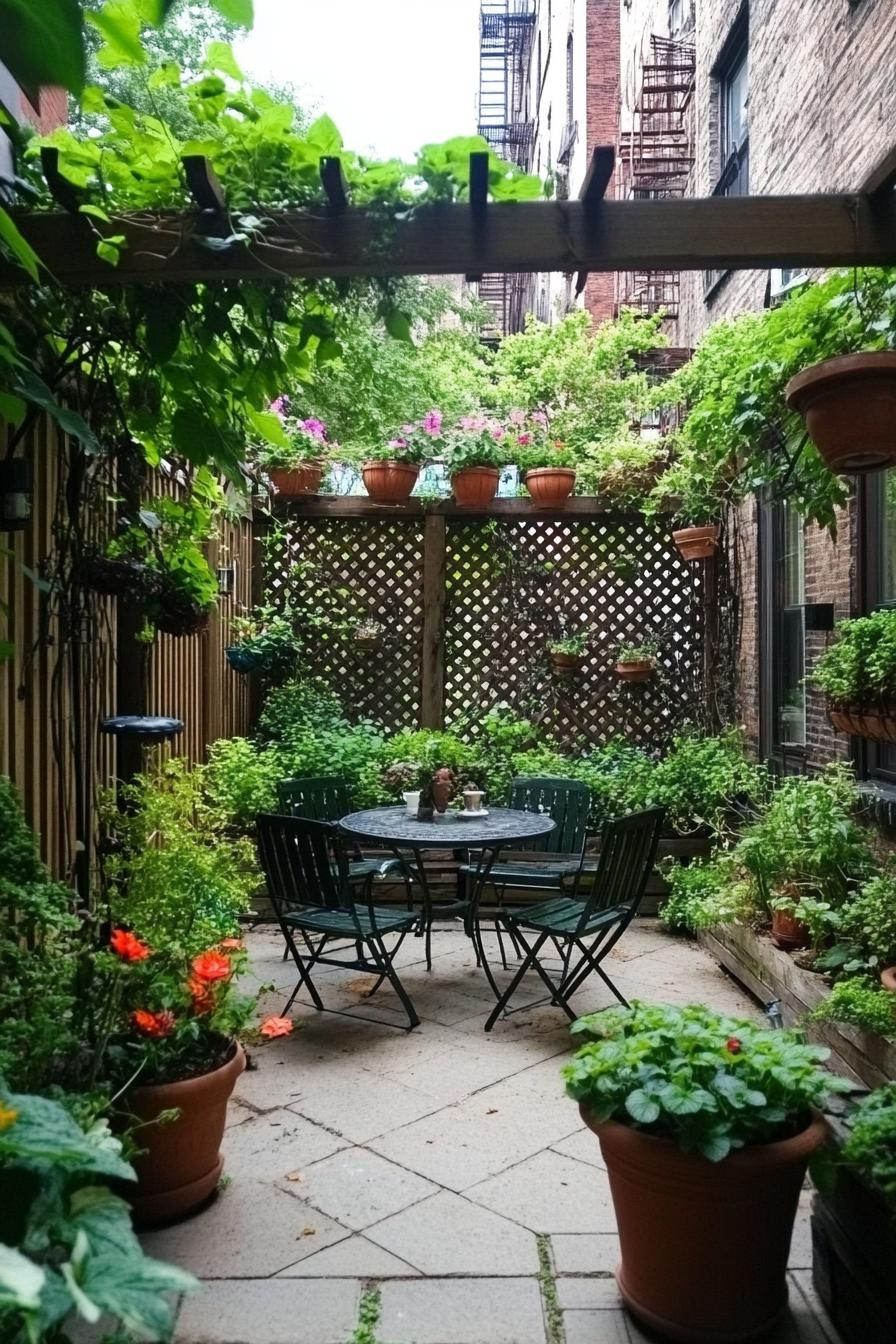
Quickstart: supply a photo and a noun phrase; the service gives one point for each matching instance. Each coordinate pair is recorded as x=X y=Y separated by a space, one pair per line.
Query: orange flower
x=276 y=1026
x=8 y=1115
x=153 y=1024
x=211 y=966
x=203 y=1000
x=128 y=945
x=231 y=945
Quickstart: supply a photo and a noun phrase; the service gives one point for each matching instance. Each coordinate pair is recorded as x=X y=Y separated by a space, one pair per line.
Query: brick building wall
x=602 y=46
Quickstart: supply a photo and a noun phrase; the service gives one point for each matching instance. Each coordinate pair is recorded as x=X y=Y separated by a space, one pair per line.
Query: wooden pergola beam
x=733 y=233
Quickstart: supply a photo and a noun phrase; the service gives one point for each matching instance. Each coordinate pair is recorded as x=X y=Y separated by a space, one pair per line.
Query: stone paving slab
x=273 y=1146
x=447 y=1235
x=550 y=1193
x=354 y=1258
x=270 y=1311
x=585 y=1252
x=462 y=1311
x=358 y=1187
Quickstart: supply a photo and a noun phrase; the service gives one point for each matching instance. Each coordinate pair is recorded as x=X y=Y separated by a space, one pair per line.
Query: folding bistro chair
x=588 y=928
x=307 y=873
x=326 y=798
x=567 y=802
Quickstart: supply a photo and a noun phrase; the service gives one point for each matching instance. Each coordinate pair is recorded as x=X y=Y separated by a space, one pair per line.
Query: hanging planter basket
x=849 y=406
x=388 y=481
x=114 y=578
x=566 y=664
x=297 y=482
x=367 y=643
x=877 y=725
x=176 y=615
x=697 y=543
x=550 y=487
x=474 y=487
x=636 y=669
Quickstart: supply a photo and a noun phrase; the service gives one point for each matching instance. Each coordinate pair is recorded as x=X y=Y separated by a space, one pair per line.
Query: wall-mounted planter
x=875 y=725
x=367 y=643
x=550 y=487
x=388 y=481
x=296 y=482
x=179 y=617
x=697 y=543
x=474 y=487
x=113 y=578
x=849 y=406
x=566 y=664
x=635 y=669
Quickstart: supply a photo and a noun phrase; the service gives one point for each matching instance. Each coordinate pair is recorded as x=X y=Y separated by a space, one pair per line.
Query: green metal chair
x=589 y=927
x=307 y=871
x=326 y=798
x=567 y=802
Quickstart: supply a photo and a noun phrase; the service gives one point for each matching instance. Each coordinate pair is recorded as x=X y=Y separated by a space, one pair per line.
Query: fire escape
x=506 y=29
x=655 y=158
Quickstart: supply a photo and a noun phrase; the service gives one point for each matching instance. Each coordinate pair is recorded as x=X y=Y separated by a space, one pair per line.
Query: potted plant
x=568 y=654
x=706 y=1124
x=295 y=463
x=390 y=475
x=546 y=465
x=477 y=450
x=866 y=930
x=164 y=549
x=636 y=660
x=849 y=407
x=368 y=634
x=694 y=494
x=266 y=644
x=789 y=931
x=858 y=677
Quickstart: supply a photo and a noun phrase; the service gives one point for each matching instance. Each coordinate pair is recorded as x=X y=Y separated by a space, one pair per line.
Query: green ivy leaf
x=324 y=135
x=43 y=43
x=239 y=12
x=269 y=427
x=12 y=408
x=219 y=56
x=398 y=325
x=119 y=23
x=21 y=249
x=641 y=1107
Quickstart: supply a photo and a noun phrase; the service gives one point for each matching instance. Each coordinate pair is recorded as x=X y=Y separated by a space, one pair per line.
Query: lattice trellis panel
x=358 y=569
x=513 y=586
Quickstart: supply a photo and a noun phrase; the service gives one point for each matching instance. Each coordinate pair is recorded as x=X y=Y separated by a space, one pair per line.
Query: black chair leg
x=384 y=962
x=304 y=979
x=529 y=960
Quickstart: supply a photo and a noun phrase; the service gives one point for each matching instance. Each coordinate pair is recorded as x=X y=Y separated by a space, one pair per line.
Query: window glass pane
x=790 y=588
x=735 y=106
x=888 y=540
x=793 y=558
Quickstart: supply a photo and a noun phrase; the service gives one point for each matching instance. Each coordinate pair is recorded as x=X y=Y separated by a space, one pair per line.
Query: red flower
x=128 y=945
x=276 y=1026
x=211 y=966
x=732 y=1045
x=203 y=1001
x=153 y=1024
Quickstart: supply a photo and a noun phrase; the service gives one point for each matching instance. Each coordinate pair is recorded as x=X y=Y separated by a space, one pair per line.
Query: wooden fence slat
x=432 y=656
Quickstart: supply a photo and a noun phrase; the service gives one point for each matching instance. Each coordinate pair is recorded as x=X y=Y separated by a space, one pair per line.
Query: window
x=783 y=651
x=570 y=90
x=879 y=519
x=784 y=279
x=731 y=75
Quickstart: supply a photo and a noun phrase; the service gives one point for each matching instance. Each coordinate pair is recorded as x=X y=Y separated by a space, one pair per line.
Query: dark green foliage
x=871 y=1145
x=858 y=671
x=860 y=1002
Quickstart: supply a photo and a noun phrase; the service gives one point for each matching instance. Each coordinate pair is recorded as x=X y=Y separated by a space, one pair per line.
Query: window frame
x=870 y=758
x=789 y=757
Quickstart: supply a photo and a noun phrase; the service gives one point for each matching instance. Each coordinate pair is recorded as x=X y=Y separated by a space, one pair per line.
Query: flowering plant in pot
x=568 y=654
x=858 y=676
x=636 y=659
x=368 y=633
x=391 y=473
x=295 y=452
x=546 y=465
x=477 y=448
x=266 y=643
x=706 y=1124
x=694 y=493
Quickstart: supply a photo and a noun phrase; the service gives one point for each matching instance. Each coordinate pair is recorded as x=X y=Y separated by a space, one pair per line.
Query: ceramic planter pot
x=388 y=481
x=788 y=932
x=566 y=664
x=849 y=406
x=294 y=482
x=888 y=979
x=720 y=1278
x=182 y=1163
x=550 y=487
x=635 y=669
x=697 y=543
x=875 y=725
x=473 y=487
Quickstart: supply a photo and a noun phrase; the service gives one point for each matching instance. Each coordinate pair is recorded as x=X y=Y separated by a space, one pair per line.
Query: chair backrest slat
x=304 y=863
x=566 y=801
x=317 y=797
x=627 y=855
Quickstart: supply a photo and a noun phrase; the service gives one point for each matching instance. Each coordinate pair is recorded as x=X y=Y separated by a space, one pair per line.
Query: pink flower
x=472 y=422
x=398 y=443
x=316 y=428
x=517 y=417
x=280 y=405
x=540 y=418
x=276 y=1026
x=524 y=440
x=432 y=422
x=497 y=433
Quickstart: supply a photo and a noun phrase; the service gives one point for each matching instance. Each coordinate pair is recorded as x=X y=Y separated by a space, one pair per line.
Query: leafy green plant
x=291 y=440
x=477 y=441
x=637 y=651
x=240 y=780
x=67 y=1248
x=267 y=642
x=709 y=1082
x=573 y=646
x=871 y=1145
x=702 y=895
x=860 y=1002
x=622 y=471
x=867 y=927
x=703 y=782
x=858 y=671
x=819 y=917
x=39 y=948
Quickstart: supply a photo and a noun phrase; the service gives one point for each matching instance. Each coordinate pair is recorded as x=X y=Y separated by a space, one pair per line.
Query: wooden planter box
x=854 y=1255
x=769 y=973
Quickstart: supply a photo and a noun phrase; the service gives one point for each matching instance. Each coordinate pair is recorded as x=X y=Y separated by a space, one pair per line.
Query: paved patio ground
x=444 y=1168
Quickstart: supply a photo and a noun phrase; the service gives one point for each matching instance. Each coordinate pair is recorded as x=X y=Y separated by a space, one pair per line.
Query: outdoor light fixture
x=226 y=580
x=15 y=494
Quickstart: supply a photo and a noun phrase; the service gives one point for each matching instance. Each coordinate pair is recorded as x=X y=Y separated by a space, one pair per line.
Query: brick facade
x=602 y=46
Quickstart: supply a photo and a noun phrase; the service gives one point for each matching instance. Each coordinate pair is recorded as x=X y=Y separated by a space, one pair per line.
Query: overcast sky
x=393 y=74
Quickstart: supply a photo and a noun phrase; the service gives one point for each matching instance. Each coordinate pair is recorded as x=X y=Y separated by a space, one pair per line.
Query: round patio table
x=407 y=838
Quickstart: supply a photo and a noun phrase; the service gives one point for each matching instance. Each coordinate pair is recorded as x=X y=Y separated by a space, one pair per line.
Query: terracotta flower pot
x=697 y=543
x=474 y=486
x=788 y=932
x=294 y=482
x=636 y=669
x=877 y=726
x=366 y=643
x=566 y=664
x=888 y=979
x=550 y=486
x=182 y=1163
x=849 y=406
x=704 y=1244
x=388 y=481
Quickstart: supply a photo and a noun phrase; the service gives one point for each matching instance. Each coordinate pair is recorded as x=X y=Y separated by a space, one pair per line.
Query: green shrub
x=297 y=705
x=867 y=926
x=703 y=780
x=858 y=671
x=861 y=1003
x=702 y=895
x=871 y=1145
x=241 y=780
x=38 y=956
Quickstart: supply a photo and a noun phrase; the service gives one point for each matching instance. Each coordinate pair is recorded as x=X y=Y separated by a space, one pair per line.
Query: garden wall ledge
x=769 y=973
